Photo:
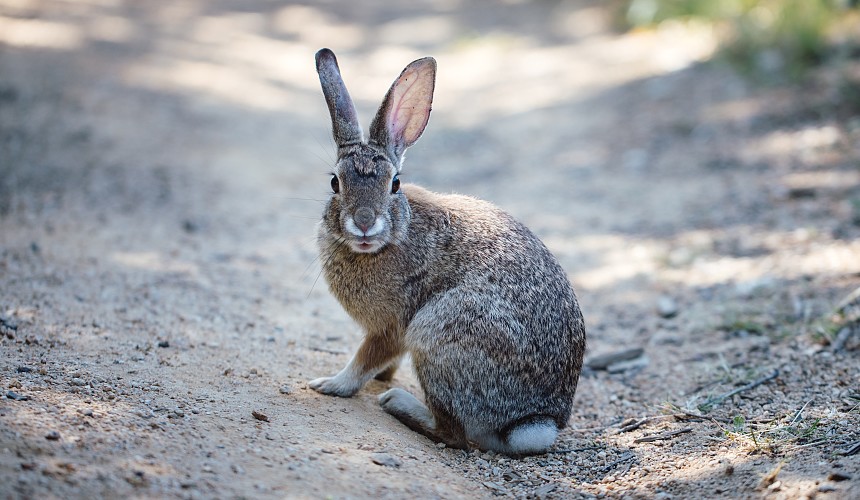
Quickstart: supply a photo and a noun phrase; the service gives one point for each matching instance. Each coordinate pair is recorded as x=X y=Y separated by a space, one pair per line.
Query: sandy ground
x=163 y=166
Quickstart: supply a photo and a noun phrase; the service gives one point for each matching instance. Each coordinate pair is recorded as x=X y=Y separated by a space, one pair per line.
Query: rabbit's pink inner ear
x=411 y=102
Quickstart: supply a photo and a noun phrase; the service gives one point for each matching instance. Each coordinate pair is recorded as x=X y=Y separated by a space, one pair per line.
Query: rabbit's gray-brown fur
x=485 y=311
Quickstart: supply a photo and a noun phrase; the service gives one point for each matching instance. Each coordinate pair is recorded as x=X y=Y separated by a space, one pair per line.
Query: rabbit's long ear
x=406 y=109
x=344 y=120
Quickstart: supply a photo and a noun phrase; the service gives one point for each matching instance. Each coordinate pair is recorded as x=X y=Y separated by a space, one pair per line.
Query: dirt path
x=162 y=169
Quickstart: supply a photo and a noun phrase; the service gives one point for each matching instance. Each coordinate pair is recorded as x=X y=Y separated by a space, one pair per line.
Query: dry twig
x=850 y=300
x=769 y=478
x=627 y=456
x=635 y=424
x=576 y=450
x=842 y=338
x=662 y=436
x=852 y=449
x=710 y=403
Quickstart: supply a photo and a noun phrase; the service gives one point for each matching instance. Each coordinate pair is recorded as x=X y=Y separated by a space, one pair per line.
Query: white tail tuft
x=531 y=438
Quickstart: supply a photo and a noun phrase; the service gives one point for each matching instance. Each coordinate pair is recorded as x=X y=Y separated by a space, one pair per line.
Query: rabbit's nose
x=364 y=218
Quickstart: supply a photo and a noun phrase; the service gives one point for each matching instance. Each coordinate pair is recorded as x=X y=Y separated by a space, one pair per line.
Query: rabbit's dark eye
x=395 y=185
x=335 y=184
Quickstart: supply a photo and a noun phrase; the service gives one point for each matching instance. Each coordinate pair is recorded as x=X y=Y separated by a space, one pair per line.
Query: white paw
x=335 y=386
x=406 y=408
x=397 y=401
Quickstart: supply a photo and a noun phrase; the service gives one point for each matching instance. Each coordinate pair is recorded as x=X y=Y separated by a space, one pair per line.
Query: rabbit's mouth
x=369 y=238
x=366 y=245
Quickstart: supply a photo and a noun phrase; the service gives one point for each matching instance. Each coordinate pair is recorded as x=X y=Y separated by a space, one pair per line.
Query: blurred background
x=775 y=40
x=682 y=129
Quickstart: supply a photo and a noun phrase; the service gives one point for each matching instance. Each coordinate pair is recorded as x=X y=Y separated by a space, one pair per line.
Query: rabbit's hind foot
x=405 y=407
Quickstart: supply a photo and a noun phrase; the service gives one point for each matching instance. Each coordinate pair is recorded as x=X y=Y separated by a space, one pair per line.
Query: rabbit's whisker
x=341 y=242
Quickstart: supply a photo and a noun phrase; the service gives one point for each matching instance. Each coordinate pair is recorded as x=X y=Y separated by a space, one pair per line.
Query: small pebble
x=285 y=389
x=495 y=486
x=544 y=490
x=667 y=307
x=385 y=460
x=260 y=416
x=17 y=397
x=623 y=366
x=163 y=343
x=603 y=361
x=9 y=324
x=23 y=369
x=838 y=476
x=190 y=226
x=52 y=436
x=78 y=381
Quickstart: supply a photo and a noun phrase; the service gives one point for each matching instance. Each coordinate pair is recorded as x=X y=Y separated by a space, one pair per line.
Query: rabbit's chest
x=370 y=293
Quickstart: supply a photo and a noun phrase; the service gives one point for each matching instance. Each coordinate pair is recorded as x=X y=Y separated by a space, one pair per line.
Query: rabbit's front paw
x=335 y=386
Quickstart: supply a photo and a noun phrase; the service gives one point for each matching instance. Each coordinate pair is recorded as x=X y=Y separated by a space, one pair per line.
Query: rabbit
x=486 y=312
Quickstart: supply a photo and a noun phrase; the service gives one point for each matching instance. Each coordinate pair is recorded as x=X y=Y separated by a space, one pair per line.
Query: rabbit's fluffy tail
x=532 y=437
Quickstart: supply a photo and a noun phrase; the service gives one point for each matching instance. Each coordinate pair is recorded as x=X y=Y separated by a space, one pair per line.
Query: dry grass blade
x=852 y=449
x=838 y=326
x=633 y=424
x=770 y=477
x=627 y=456
x=711 y=402
x=577 y=450
x=663 y=436
x=793 y=434
x=852 y=300
x=842 y=337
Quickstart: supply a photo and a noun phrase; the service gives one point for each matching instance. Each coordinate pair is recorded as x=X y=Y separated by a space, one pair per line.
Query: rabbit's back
x=509 y=325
